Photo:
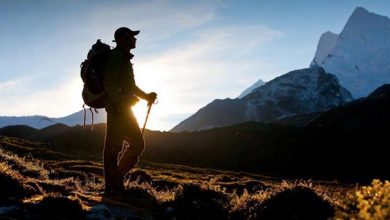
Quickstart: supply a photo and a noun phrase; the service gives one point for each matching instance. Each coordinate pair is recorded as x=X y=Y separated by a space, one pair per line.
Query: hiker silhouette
x=124 y=142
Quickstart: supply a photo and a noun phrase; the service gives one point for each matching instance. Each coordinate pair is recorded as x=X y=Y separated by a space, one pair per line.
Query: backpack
x=92 y=73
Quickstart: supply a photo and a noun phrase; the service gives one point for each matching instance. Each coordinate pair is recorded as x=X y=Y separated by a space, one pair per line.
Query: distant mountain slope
x=360 y=55
x=36 y=121
x=39 y=121
x=297 y=92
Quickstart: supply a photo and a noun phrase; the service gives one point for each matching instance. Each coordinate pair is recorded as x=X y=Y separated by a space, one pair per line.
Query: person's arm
x=138 y=92
x=149 y=97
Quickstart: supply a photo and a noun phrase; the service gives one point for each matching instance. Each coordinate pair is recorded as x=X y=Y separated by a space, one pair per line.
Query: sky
x=189 y=52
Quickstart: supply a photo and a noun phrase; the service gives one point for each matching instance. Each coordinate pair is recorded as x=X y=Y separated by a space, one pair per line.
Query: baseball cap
x=122 y=31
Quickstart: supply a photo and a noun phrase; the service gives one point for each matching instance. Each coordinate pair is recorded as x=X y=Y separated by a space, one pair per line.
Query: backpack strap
x=92 y=116
x=90 y=109
x=85 y=115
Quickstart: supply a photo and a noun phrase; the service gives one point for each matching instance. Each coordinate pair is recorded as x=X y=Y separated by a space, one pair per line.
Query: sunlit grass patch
x=13 y=187
x=221 y=178
x=366 y=202
x=26 y=166
x=60 y=186
x=148 y=193
x=10 y=185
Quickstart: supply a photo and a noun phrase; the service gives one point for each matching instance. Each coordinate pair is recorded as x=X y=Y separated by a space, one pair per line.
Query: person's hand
x=151 y=97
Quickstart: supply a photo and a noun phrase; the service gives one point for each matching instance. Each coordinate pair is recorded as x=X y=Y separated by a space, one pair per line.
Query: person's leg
x=113 y=145
x=131 y=153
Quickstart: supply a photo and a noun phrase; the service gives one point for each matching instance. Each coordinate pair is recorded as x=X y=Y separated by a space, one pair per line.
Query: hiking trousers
x=123 y=146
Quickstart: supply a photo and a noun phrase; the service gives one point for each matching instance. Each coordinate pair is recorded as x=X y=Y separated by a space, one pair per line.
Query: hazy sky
x=189 y=52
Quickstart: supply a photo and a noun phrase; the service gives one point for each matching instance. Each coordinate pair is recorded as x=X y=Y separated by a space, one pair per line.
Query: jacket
x=119 y=83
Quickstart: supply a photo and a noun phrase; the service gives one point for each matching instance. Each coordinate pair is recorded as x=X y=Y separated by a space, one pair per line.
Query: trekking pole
x=147 y=116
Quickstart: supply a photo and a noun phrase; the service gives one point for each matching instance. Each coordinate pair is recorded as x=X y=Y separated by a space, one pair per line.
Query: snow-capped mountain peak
x=328 y=41
x=360 y=55
x=361 y=22
x=251 y=88
x=298 y=91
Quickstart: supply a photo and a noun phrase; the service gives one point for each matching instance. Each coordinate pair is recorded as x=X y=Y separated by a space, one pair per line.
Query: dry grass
x=366 y=202
x=25 y=165
x=170 y=191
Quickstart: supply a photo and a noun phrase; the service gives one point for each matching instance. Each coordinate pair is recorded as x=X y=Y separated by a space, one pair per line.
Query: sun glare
x=156 y=117
x=140 y=110
x=150 y=78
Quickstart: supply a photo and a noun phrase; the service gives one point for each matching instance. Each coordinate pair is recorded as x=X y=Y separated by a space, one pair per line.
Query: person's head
x=125 y=38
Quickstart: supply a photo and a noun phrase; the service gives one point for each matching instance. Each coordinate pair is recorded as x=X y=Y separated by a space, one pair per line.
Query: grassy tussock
x=366 y=202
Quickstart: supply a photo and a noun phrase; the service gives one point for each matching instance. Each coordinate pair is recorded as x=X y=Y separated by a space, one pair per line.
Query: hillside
x=370 y=113
x=42 y=186
x=263 y=148
x=346 y=142
x=74 y=140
